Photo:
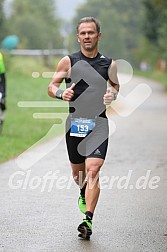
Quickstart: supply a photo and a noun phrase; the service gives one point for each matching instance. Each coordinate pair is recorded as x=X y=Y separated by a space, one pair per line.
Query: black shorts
x=93 y=145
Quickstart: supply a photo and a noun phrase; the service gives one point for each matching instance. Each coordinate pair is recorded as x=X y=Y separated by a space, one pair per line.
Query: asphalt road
x=38 y=204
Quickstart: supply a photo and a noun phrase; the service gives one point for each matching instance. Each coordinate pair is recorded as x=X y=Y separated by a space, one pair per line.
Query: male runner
x=2 y=90
x=86 y=74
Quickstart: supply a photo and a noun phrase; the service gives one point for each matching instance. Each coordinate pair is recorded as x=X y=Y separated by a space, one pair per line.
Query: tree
x=2 y=20
x=35 y=23
x=155 y=25
x=162 y=40
x=152 y=21
x=120 y=22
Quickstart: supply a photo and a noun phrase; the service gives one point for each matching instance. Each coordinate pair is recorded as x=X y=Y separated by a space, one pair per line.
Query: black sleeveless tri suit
x=90 y=76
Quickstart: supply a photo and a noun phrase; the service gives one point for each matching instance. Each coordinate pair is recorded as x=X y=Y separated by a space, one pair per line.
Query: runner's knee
x=92 y=170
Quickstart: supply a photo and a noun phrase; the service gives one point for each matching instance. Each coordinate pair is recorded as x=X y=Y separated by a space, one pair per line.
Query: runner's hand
x=68 y=93
x=108 y=97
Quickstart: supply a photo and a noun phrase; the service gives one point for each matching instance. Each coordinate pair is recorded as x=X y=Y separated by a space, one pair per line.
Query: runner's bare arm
x=112 y=90
x=62 y=71
x=113 y=78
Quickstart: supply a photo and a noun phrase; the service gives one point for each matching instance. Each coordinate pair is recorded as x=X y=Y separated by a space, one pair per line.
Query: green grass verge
x=20 y=129
x=155 y=75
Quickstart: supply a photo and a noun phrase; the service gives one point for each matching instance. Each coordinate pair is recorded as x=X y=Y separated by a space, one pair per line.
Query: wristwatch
x=59 y=94
x=115 y=95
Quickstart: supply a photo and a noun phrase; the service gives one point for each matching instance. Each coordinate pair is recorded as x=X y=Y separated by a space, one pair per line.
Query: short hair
x=89 y=20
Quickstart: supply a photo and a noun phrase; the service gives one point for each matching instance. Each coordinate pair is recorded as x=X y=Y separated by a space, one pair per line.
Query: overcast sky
x=65 y=8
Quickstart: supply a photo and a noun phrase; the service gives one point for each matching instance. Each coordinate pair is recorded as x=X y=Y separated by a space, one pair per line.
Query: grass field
x=20 y=129
x=155 y=75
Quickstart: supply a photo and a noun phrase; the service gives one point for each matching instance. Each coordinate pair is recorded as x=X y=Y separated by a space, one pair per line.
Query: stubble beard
x=90 y=48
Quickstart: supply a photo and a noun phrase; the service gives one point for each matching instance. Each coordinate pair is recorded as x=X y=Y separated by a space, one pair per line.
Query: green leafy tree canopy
x=120 y=23
x=35 y=23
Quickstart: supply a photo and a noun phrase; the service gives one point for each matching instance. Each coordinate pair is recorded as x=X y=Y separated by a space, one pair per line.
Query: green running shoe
x=85 y=229
x=82 y=203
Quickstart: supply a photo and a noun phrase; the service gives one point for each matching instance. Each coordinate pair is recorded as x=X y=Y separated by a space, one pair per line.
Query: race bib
x=81 y=127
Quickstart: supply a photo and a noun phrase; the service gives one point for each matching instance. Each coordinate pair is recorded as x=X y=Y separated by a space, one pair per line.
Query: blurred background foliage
x=133 y=30
x=34 y=22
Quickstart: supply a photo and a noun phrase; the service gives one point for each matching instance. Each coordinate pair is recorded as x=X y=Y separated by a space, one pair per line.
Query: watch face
x=59 y=94
x=115 y=96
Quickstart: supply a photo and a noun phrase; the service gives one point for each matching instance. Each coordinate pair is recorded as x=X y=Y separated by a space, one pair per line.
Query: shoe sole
x=85 y=232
